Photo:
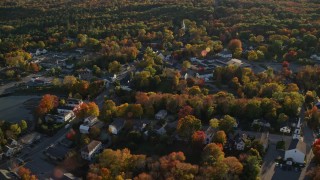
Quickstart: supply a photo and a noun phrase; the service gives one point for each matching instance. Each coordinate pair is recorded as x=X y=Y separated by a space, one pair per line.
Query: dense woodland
x=125 y=31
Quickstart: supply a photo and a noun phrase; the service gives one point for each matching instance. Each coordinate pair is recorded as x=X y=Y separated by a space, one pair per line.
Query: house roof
x=299 y=145
x=93 y=144
x=5 y=174
x=66 y=107
x=118 y=123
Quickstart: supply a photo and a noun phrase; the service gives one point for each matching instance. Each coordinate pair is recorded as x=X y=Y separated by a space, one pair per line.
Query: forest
x=128 y=32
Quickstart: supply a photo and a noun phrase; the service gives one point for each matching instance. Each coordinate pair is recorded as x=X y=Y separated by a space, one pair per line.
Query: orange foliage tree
x=26 y=174
x=88 y=109
x=47 y=104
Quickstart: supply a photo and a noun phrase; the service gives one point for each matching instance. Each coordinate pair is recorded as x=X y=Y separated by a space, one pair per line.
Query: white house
x=161 y=114
x=285 y=129
x=116 y=126
x=296 y=151
x=91 y=149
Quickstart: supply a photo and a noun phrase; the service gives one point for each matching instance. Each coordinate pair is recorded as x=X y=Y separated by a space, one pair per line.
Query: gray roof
x=299 y=145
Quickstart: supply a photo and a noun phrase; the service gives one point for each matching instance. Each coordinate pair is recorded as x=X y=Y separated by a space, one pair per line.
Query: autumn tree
x=252 y=56
x=187 y=126
x=316 y=149
x=214 y=123
x=227 y=124
x=234 y=167
x=114 y=67
x=47 y=104
x=198 y=138
x=212 y=153
x=88 y=109
x=108 y=110
x=251 y=167
x=118 y=161
x=69 y=81
x=26 y=174
x=185 y=111
x=220 y=137
x=15 y=129
x=234 y=44
x=23 y=125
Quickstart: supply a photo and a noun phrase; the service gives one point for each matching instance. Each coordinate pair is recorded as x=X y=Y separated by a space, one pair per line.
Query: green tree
x=23 y=125
x=15 y=129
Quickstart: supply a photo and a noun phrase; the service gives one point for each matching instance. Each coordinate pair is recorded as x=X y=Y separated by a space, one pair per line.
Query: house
x=60 y=118
x=12 y=142
x=66 y=109
x=5 y=174
x=39 y=52
x=225 y=54
x=285 y=129
x=91 y=149
x=30 y=138
x=116 y=126
x=73 y=102
x=85 y=74
x=161 y=114
x=238 y=62
x=9 y=151
x=315 y=57
x=84 y=129
x=240 y=144
x=209 y=134
x=11 y=148
x=261 y=123
x=240 y=141
x=296 y=151
x=90 y=121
